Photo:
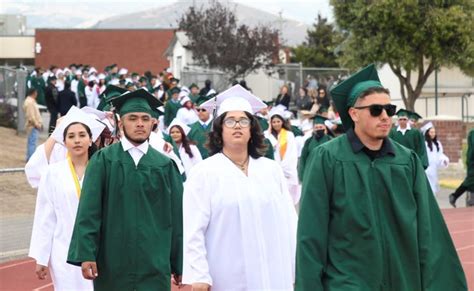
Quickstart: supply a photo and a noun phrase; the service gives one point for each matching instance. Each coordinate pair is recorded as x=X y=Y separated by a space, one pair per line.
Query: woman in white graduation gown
x=239 y=223
x=52 y=151
x=188 y=152
x=285 y=150
x=187 y=114
x=436 y=157
x=57 y=202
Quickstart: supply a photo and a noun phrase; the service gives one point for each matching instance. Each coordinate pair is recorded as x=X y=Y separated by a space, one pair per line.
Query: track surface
x=19 y=274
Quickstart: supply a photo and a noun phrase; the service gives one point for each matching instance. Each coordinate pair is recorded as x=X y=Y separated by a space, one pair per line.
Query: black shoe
x=452 y=200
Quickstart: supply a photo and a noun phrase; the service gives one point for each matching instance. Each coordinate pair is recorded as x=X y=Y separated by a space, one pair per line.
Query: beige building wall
x=17 y=47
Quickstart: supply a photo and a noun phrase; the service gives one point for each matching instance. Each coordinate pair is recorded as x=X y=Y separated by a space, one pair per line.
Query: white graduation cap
x=426 y=127
x=77 y=115
x=182 y=94
x=122 y=71
x=185 y=99
x=179 y=123
x=59 y=72
x=78 y=72
x=278 y=110
x=92 y=70
x=101 y=76
x=185 y=89
x=236 y=98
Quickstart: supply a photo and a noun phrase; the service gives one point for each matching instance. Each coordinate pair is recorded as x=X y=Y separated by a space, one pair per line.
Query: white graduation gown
x=436 y=160
x=188 y=162
x=289 y=163
x=157 y=142
x=37 y=165
x=55 y=213
x=239 y=231
x=187 y=116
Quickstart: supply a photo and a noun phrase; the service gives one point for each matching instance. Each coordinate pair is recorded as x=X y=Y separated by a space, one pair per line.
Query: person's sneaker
x=452 y=200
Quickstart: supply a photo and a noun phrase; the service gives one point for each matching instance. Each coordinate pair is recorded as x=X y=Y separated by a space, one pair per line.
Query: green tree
x=413 y=37
x=217 y=41
x=318 y=49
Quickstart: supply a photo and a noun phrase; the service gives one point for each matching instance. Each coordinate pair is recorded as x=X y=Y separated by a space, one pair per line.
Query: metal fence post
x=21 y=93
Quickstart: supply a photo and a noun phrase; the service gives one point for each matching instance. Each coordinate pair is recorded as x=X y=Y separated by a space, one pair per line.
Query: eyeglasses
x=231 y=123
x=200 y=110
x=376 y=109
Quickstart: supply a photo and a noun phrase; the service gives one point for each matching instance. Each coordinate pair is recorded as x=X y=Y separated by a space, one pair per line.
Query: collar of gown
x=127 y=145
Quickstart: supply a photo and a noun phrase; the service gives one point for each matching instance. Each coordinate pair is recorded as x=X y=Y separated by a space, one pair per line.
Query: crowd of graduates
x=316 y=160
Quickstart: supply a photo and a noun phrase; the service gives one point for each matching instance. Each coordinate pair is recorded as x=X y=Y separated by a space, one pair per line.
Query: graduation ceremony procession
x=236 y=145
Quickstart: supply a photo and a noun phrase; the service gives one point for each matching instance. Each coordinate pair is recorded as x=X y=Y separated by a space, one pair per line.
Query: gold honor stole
x=74 y=176
x=283 y=141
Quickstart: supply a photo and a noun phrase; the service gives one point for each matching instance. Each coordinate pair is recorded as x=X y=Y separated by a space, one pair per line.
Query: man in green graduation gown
x=468 y=183
x=128 y=229
x=410 y=137
x=368 y=219
x=194 y=94
x=319 y=136
x=172 y=106
x=200 y=129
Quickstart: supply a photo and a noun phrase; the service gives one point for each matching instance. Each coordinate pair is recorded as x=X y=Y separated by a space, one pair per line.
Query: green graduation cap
x=193 y=85
x=174 y=90
x=109 y=93
x=269 y=103
x=403 y=113
x=134 y=74
x=137 y=101
x=414 y=116
x=346 y=93
x=319 y=119
x=201 y=99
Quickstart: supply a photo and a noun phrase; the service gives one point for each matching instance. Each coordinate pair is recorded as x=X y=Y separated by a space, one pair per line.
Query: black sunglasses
x=376 y=109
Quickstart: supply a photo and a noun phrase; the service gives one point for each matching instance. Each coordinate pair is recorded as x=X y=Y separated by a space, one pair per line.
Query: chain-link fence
x=297 y=76
x=219 y=80
x=12 y=94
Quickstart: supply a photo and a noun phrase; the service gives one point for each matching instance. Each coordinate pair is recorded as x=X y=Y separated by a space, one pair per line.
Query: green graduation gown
x=414 y=140
x=263 y=122
x=81 y=92
x=129 y=220
x=199 y=135
x=371 y=225
x=469 y=181
x=270 y=151
x=171 y=109
x=38 y=83
x=308 y=146
x=296 y=131
x=193 y=97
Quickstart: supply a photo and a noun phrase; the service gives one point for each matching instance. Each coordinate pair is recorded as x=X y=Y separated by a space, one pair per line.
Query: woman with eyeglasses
x=285 y=149
x=238 y=218
x=188 y=152
x=57 y=202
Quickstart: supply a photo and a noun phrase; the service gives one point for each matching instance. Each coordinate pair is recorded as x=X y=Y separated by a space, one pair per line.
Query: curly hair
x=256 y=146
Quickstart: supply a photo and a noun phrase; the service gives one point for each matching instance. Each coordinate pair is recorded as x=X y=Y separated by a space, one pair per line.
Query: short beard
x=137 y=141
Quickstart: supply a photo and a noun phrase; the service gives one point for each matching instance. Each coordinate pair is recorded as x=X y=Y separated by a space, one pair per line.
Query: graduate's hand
x=177 y=280
x=201 y=287
x=41 y=271
x=167 y=147
x=89 y=270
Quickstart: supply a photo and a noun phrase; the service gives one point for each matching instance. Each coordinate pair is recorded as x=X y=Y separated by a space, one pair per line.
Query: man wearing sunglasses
x=201 y=128
x=368 y=219
x=409 y=136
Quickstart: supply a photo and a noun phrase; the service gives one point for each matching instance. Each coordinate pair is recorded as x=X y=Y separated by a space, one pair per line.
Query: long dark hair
x=184 y=140
x=285 y=124
x=430 y=141
x=93 y=147
x=256 y=146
